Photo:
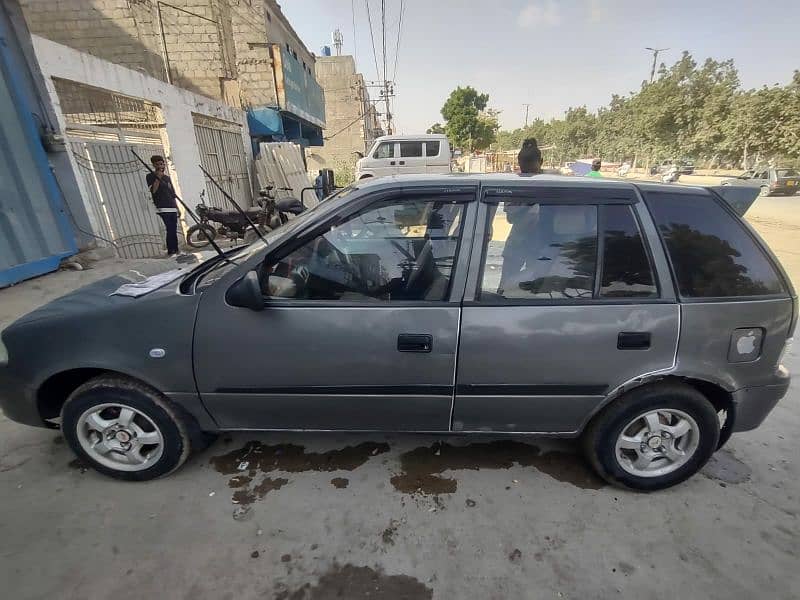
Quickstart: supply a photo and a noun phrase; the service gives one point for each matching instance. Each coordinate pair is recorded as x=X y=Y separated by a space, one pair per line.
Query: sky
x=548 y=53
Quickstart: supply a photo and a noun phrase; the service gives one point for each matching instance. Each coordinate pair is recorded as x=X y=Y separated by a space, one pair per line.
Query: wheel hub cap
x=123 y=436
x=654 y=442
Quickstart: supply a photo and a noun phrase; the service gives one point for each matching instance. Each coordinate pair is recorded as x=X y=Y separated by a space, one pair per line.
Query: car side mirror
x=246 y=293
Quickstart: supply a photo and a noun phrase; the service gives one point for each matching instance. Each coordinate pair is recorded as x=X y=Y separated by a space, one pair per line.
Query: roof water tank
x=326 y=51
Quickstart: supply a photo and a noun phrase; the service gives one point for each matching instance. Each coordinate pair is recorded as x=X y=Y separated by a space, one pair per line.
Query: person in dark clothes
x=523 y=220
x=164 y=199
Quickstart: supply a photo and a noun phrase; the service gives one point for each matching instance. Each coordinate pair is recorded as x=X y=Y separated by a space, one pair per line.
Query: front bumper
x=17 y=400
x=752 y=405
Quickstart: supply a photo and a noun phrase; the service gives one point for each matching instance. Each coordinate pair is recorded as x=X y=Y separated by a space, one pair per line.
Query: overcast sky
x=551 y=54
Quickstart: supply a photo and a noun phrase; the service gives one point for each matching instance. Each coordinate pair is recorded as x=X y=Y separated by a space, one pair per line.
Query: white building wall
x=177 y=106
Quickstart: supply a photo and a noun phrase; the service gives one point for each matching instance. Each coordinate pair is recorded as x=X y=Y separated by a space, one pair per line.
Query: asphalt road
x=375 y=516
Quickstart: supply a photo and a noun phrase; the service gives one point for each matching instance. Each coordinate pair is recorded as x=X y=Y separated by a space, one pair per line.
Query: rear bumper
x=17 y=400
x=752 y=405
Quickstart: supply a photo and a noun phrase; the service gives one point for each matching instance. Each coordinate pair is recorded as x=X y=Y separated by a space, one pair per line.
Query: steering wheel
x=421 y=260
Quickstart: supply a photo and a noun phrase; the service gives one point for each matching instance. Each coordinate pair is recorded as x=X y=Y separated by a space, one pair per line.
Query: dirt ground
x=323 y=516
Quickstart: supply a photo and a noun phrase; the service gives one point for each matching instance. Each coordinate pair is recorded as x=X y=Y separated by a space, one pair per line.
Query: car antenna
x=230 y=199
x=189 y=211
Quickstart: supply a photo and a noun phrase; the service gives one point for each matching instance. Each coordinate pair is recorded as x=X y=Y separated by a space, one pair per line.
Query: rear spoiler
x=740 y=197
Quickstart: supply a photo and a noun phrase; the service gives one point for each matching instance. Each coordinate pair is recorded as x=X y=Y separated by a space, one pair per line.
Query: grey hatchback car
x=648 y=320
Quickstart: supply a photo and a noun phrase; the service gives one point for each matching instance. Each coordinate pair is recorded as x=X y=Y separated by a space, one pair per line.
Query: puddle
x=423 y=466
x=254 y=458
x=291 y=458
x=360 y=583
x=724 y=466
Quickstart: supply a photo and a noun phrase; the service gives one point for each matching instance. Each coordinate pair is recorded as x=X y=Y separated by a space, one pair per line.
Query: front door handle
x=402 y=162
x=414 y=342
x=391 y=162
x=633 y=340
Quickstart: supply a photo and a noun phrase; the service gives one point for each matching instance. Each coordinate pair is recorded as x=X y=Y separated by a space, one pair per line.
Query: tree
x=435 y=128
x=467 y=125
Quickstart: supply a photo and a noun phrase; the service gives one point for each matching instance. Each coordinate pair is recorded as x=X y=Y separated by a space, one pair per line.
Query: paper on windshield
x=134 y=290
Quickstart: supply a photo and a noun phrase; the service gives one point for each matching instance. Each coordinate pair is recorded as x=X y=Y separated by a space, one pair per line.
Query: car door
x=567 y=302
x=411 y=157
x=360 y=325
x=436 y=160
x=384 y=161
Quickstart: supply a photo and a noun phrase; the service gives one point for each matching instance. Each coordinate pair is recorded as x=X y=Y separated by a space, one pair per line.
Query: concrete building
x=352 y=121
x=244 y=53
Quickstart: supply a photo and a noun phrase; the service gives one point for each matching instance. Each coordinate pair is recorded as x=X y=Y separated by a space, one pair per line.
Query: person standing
x=164 y=199
x=595 y=172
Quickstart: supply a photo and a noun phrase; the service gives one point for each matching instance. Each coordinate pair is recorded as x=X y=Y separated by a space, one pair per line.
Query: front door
x=360 y=327
x=566 y=305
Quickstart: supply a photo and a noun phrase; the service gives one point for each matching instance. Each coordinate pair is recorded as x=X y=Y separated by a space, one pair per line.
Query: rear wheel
x=764 y=191
x=127 y=430
x=197 y=239
x=653 y=437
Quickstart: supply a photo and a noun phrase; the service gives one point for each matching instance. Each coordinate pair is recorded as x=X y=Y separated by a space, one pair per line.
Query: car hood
x=97 y=297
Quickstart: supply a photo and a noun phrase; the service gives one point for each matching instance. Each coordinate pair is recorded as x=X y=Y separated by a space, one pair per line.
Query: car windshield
x=240 y=255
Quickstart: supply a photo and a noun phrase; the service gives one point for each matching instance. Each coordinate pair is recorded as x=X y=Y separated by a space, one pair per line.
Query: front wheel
x=196 y=237
x=763 y=191
x=653 y=437
x=127 y=430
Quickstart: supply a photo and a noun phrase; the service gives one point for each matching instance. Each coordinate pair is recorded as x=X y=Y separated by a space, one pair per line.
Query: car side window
x=431 y=148
x=627 y=270
x=540 y=251
x=712 y=254
x=385 y=150
x=398 y=250
x=410 y=149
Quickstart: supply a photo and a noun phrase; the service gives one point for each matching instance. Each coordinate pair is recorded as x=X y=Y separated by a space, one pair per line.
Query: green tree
x=467 y=125
x=435 y=128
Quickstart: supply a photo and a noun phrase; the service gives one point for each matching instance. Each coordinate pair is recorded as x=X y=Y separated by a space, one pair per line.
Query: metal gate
x=115 y=183
x=222 y=154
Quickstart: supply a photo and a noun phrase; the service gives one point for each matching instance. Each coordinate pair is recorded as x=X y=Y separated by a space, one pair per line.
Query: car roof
x=419 y=137
x=517 y=180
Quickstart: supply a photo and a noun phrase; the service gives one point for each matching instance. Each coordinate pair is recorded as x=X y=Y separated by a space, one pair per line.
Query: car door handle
x=414 y=342
x=402 y=162
x=633 y=340
x=391 y=162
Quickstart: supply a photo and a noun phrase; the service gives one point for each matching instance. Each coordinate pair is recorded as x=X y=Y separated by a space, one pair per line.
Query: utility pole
x=385 y=81
x=527 y=108
x=655 y=52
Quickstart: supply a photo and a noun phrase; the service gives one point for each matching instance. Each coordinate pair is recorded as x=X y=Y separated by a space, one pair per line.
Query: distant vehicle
x=685 y=167
x=406 y=155
x=771 y=182
x=648 y=319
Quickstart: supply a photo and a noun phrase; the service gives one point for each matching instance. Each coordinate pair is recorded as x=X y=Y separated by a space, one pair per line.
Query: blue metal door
x=35 y=234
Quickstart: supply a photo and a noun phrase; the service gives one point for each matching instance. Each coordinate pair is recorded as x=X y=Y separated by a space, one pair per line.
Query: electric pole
x=655 y=52
x=527 y=108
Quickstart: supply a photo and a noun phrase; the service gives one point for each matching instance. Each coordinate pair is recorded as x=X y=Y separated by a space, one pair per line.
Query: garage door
x=222 y=154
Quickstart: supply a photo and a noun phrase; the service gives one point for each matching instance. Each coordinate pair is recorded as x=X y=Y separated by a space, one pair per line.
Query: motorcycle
x=671 y=176
x=269 y=214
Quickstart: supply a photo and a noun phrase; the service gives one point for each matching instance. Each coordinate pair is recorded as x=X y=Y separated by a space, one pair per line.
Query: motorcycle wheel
x=195 y=237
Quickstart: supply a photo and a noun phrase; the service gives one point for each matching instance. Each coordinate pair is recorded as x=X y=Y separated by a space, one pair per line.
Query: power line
x=355 y=38
x=399 y=34
x=372 y=37
x=385 y=81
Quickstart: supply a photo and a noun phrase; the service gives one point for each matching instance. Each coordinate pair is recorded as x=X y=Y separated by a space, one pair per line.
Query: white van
x=399 y=154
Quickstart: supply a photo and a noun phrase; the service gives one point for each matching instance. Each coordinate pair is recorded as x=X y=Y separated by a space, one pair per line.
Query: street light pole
x=655 y=52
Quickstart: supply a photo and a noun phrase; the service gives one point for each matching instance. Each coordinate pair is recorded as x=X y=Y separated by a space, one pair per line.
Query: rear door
x=437 y=159
x=566 y=302
x=411 y=157
x=360 y=325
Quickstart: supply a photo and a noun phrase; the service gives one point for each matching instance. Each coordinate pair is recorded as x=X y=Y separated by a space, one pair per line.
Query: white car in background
x=405 y=154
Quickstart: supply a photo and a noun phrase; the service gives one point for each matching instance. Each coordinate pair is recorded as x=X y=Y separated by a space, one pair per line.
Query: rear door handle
x=414 y=342
x=391 y=162
x=402 y=162
x=633 y=340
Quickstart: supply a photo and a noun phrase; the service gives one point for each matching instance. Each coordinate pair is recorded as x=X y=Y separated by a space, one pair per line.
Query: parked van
x=405 y=154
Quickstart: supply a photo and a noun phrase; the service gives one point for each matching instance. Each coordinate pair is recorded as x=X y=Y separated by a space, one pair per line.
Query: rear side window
x=627 y=272
x=712 y=254
x=410 y=149
x=431 y=148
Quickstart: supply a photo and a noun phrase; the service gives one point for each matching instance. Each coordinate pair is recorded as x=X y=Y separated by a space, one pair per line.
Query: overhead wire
x=372 y=37
x=353 y=13
x=399 y=35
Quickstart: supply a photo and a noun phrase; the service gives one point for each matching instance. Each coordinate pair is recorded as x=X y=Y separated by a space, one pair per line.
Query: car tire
x=763 y=191
x=672 y=407
x=127 y=430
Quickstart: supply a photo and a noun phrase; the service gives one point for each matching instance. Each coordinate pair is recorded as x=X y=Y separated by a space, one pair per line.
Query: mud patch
x=515 y=556
x=78 y=465
x=340 y=482
x=248 y=495
x=724 y=466
x=388 y=534
x=291 y=458
x=423 y=466
x=360 y=583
